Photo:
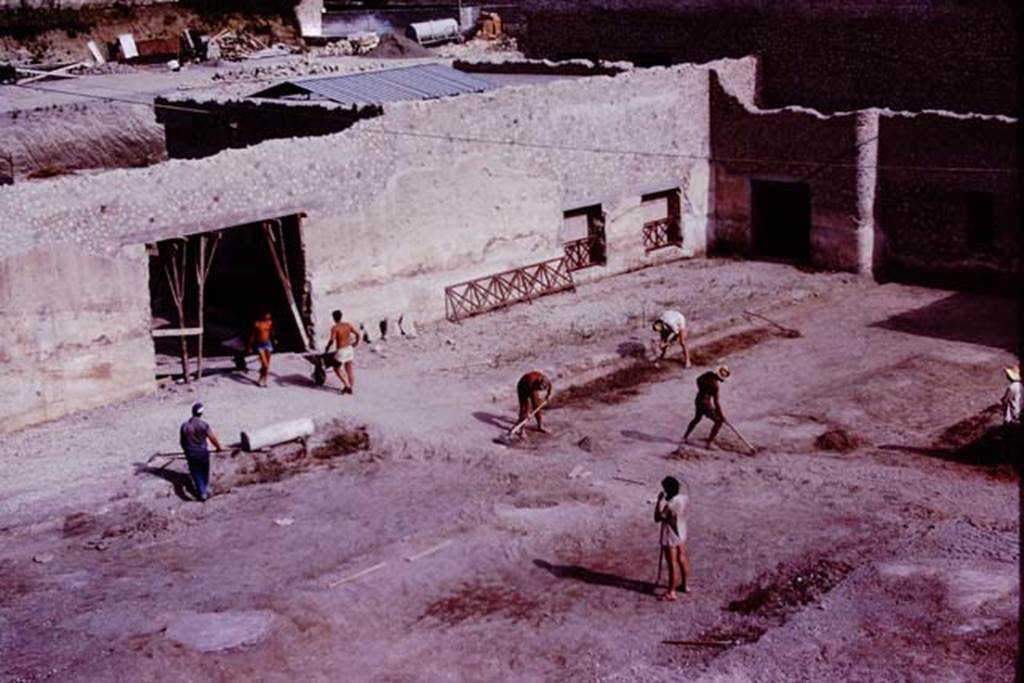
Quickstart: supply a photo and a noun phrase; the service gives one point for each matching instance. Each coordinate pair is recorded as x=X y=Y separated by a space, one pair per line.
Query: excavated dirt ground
x=407 y=546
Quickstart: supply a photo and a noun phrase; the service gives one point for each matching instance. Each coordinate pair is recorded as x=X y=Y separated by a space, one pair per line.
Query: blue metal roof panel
x=416 y=82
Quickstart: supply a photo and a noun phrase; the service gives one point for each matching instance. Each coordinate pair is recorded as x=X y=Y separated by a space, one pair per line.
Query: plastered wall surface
x=396 y=208
x=455 y=208
x=75 y=333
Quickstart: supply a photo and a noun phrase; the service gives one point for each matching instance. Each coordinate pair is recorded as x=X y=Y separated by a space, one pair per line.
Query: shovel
x=508 y=437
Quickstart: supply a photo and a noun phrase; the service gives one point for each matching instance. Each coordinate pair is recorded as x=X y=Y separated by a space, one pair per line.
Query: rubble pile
x=505 y=45
x=276 y=72
x=362 y=43
x=236 y=46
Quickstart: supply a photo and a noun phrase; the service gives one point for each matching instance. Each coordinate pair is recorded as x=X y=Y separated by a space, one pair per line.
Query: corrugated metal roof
x=416 y=82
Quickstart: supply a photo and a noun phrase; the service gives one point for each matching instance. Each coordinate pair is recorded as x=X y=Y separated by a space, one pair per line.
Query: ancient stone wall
x=396 y=208
x=75 y=332
x=473 y=186
x=941 y=178
x=791 y=145
x=928 y=197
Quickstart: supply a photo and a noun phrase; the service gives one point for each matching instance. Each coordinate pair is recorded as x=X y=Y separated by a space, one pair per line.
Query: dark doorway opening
x=586 y=244
x=781 y=219
x=243 y=283
x=981 y=231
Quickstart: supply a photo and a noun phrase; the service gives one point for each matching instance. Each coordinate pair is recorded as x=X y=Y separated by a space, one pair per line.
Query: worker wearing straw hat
x=707 y=404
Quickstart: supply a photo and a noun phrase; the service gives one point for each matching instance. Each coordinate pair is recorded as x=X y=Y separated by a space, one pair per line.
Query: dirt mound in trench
x=839 y=440
x=787 y=588
x=284 y=462
x=619 y=385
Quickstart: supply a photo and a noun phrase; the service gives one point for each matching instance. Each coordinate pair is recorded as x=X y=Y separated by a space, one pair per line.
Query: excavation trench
x=621 y=384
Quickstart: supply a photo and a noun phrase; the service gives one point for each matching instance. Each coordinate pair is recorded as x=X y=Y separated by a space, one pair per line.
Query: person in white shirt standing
x=671 y=326
x=670 y=511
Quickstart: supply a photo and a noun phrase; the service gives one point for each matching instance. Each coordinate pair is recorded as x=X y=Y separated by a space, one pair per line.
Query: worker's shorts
x=265 y=346
x=706 y=408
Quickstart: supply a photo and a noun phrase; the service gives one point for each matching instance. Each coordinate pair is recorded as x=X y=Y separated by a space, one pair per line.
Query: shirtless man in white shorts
x=345 y=339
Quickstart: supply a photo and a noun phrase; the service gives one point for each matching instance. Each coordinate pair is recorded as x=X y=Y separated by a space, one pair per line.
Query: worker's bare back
x=342 y=334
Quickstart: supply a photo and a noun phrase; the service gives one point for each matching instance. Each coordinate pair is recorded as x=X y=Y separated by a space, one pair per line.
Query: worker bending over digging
x=529 y=388
x=260 y=340
x=671 y=326
x=670 y=511
x=707 y=404
x=193 y=435
x=345 y=339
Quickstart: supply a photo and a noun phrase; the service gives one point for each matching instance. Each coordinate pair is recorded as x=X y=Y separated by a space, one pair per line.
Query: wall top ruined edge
x=341 y=171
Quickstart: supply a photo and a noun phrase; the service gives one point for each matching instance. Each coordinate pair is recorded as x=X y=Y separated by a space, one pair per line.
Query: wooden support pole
x=175 y=273
x=204 y=261
x=275 y=242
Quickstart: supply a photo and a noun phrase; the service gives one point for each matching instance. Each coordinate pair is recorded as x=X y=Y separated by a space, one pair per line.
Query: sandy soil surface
x=894 y=558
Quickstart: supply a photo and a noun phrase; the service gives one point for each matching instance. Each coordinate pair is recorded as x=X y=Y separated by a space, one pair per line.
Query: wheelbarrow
x=322 y=361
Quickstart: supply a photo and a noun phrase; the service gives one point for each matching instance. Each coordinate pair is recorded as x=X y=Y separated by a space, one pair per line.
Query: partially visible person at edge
x=1012 y=397
x=260 y=341
x=670 y=511
x=193 y=436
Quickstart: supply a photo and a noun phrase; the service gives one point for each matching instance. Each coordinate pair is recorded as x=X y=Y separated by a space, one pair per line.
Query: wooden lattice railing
x=662 y=233
x=584 y=253
x=504 y=289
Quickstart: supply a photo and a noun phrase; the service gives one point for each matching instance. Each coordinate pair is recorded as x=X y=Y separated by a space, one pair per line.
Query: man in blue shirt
x=194 y=435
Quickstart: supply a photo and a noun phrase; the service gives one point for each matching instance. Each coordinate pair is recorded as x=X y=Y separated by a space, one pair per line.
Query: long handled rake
x=508 y=437
x=740 y=437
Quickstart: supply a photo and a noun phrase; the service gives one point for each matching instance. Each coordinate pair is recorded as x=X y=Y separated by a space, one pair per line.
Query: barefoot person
x=529 y=388
x=260 y=341
x=707 y=404
x=344 y=339
x=193 y=436
x=670 y=511
x=671 y=326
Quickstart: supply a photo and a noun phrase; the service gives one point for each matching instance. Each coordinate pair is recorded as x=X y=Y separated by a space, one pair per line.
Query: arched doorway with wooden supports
x=207 y=289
